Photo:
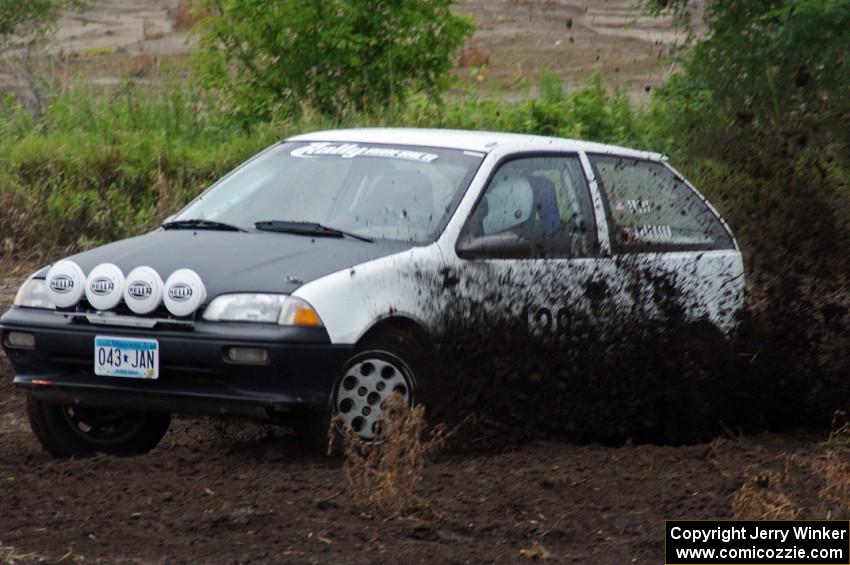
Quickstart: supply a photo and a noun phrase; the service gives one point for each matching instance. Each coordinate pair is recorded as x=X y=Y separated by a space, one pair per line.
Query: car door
x=673 y=257
x=527 y=248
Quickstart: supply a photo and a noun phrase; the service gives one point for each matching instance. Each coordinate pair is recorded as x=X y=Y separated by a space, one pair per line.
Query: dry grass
x=762 y=497
x=839 y=436
x=764 y=494
x=164 y=192
x=834 y=473
x=382 y=476
x=832 y=469
x=183 y=15
x=472 y=56
x=143 y=64
x=10 y=554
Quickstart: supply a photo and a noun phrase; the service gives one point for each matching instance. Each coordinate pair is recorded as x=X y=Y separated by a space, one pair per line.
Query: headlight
x=33 y=294
x=245 y=308
x=297 y=312
x=267 y=308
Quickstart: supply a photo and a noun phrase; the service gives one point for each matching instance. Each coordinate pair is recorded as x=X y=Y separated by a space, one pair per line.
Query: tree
x=30 y=19
x=777 y=66
x=271 y=57
x=759 y=111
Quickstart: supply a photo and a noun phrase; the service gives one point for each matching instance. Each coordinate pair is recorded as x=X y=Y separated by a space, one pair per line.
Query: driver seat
x=545 y=202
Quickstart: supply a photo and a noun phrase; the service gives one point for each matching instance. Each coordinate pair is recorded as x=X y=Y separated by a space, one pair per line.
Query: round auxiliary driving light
x=65 y=283
x=143 y=290
x=104 y=286
x=184 y=292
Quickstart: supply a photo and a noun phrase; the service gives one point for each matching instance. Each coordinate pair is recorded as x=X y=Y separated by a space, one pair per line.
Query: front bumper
x=195 y=376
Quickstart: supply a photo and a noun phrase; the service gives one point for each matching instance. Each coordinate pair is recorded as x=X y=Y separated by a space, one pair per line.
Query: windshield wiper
x=199 y=224
x=306 y=228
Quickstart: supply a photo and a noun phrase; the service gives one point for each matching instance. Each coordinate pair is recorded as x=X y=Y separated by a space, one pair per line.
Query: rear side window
x=651 y=209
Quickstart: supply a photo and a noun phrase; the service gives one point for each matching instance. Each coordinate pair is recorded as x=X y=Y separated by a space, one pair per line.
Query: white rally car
x=319 y=277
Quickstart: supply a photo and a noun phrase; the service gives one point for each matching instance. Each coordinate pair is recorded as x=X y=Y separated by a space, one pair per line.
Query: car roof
x=467 y=140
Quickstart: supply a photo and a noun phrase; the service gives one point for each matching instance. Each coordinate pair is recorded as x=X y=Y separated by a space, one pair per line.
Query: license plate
x=125 y=357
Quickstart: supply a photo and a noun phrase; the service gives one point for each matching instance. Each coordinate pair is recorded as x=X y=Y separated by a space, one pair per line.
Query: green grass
x=101 y=165
x=98 y=165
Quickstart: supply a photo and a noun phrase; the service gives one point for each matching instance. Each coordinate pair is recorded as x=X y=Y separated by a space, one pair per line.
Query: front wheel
x=68 y=431
x=386 y=364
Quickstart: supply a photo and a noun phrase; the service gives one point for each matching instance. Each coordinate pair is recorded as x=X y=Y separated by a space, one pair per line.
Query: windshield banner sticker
x=351 y=150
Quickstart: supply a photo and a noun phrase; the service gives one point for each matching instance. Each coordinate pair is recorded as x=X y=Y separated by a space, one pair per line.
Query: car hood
x=236 y=261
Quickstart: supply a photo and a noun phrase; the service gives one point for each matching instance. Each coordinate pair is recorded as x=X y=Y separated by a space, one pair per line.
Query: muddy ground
x=240 y=493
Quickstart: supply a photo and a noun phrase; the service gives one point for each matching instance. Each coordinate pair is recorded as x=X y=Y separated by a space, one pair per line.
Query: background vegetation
x=272 y=59
x=96 y=166
x=757 y=115
x=32 y=19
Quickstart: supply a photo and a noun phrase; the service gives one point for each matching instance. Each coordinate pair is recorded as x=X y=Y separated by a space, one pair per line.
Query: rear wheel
x=390 y=362
x=67 y=431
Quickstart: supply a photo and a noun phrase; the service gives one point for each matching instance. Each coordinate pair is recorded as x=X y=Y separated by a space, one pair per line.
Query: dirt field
x=573 y=38
x=240 y=493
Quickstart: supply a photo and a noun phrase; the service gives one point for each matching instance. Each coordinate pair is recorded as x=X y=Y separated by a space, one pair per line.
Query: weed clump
x=810 y=486
x=762 y=497
x=833 y=471
x=382 y=476
x=184 y=15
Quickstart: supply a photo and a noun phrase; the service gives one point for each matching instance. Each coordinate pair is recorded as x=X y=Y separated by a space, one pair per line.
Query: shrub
x=757 y=117
x=383 y=476
x=102 y=166
x=767 y=80
x=269 y=59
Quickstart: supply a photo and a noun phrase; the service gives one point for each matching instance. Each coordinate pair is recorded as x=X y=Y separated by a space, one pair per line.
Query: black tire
x=392 y=345
x=67 y=431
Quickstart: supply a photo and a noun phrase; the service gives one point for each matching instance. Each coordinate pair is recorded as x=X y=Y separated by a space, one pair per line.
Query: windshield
x=401 y=193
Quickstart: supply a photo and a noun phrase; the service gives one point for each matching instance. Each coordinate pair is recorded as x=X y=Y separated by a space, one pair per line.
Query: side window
x=651 y=209
x=542 y=203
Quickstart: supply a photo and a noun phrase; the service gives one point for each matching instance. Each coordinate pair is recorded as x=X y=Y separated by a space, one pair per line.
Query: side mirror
x=497 y=246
